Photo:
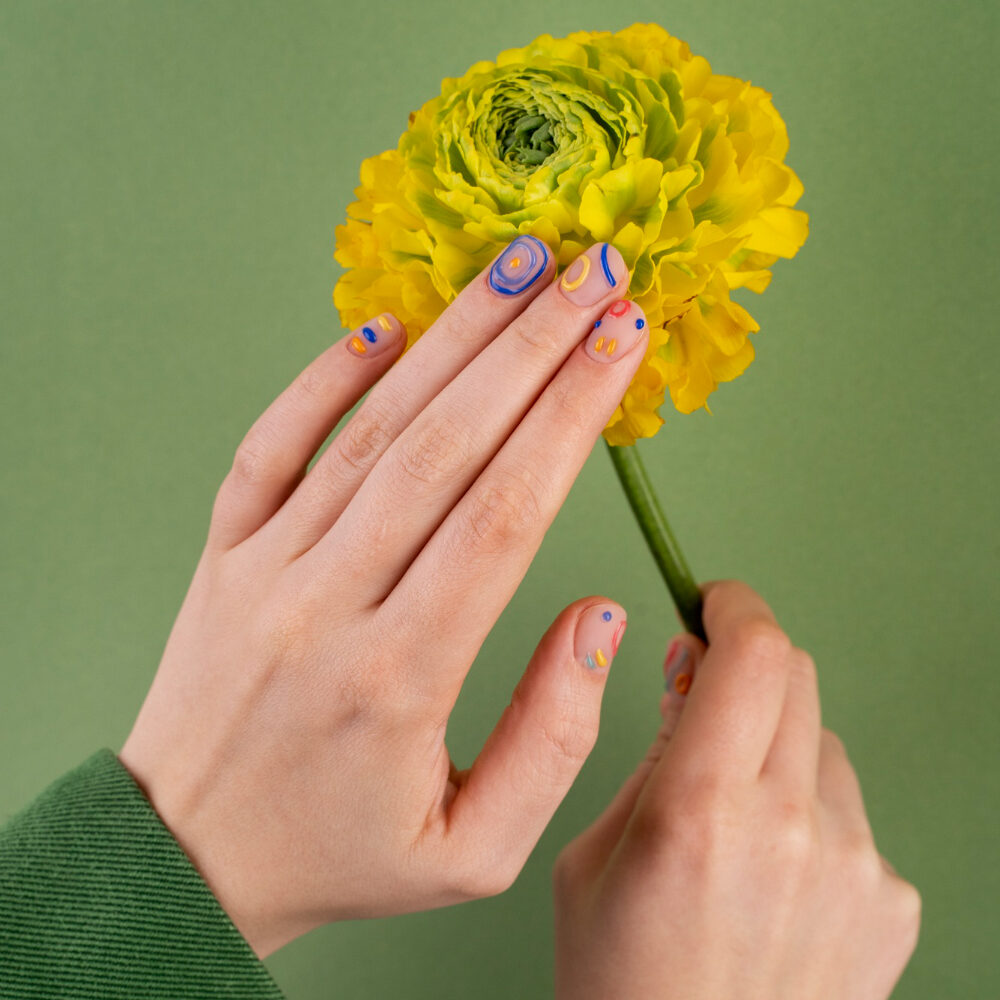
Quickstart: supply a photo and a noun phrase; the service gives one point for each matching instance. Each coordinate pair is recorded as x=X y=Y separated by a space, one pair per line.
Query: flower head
x=626 y=138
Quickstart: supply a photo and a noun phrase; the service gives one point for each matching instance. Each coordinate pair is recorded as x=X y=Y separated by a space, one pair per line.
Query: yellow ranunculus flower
x=626 y=138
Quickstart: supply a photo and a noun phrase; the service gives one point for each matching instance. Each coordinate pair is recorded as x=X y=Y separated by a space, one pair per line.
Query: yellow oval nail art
x=573 y=283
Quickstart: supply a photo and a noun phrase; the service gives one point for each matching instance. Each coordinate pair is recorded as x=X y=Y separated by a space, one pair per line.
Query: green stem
x=659 y=537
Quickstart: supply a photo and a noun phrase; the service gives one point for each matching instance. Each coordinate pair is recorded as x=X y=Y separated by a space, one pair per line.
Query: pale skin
x=293 y=739
x=737 y=861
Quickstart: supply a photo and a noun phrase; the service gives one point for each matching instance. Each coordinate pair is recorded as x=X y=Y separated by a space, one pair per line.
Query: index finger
x=736 y=699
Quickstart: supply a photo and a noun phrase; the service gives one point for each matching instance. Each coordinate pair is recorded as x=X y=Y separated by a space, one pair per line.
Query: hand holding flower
x=737 y=861
x=294 y=737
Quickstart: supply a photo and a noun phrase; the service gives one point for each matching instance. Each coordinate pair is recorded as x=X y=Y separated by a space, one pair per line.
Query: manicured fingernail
x=598 y=635
x=616 y=331
x=593 y=274
x=372 y=338
x=678 y=669
x=519 y=266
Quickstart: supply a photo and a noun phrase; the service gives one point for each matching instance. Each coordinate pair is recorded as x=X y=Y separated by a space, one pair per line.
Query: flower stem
x=659 y=537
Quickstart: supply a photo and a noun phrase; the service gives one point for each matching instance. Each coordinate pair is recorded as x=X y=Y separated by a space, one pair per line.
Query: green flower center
x=526 y=137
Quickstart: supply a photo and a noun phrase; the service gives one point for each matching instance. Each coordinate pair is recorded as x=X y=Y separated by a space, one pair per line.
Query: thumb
x=534 y=754
x=684 y=654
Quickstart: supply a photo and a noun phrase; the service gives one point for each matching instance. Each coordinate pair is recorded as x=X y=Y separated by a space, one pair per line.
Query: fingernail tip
x=616 y=263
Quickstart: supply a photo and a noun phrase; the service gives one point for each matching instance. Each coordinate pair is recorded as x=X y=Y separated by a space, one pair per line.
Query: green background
x=170 y=178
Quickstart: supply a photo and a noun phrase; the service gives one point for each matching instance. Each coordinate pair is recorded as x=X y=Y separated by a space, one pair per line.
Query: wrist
x=216 y=851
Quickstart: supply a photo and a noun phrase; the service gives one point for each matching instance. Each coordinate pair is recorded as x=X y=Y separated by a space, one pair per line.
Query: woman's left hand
x=294 y=737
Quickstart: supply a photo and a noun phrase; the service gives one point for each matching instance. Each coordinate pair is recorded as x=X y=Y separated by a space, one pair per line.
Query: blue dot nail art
x=639 y=324
x=369 y=334
x=607 y=616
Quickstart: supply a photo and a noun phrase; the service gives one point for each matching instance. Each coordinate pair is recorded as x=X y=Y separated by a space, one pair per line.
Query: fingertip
x=519 y=268
x=616 y=334
x=381 y=335
x=600 y=628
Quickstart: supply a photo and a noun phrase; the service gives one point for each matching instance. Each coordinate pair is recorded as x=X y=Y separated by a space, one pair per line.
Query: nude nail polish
x=598 y=635
x=593 y=274
x=519 y=266
x=677 y=668
x=616 y=331
x=377 y=335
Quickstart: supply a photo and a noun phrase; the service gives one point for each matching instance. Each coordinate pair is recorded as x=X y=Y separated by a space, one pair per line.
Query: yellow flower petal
x=620 y=136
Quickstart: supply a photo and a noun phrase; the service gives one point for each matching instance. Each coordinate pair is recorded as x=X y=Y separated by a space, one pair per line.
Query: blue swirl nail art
x=519 y=266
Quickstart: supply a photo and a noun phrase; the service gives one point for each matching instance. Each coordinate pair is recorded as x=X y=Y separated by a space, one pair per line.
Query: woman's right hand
x=737 y=861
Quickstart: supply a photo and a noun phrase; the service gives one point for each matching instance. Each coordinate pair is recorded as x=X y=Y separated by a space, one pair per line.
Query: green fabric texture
x=97 y=899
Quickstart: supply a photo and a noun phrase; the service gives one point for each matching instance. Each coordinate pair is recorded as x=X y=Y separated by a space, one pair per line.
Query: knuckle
x=461 y=324
x=722 y=594
x=502 y=511
x=860 y=858
x=434 y=453
x=366 y=437
x=569 y=742
x=762 y=640
x=690 y=824
x=253 y=462
x=574 y=409
x=566 y=731
x=830 y=742
x=313 y=383
x=537 y=336
x=909 y=904
x=803 y=662
x=797 y=834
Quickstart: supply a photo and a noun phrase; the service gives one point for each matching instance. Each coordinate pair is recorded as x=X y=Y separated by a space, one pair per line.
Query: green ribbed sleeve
x=97 y=899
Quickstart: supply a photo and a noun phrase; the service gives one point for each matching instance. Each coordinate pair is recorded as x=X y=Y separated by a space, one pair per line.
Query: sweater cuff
x=97 y=899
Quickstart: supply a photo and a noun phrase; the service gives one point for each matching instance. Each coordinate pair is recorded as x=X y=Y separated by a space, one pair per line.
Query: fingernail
x=519 y=266
x=372 y=338
x=616 y=332
x=593 y=274
x=598 y=635
x=677 y=668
